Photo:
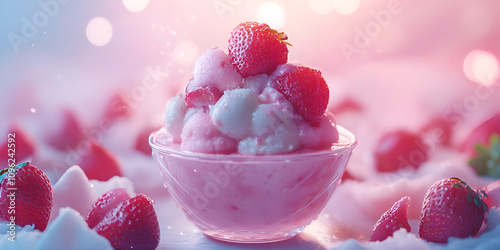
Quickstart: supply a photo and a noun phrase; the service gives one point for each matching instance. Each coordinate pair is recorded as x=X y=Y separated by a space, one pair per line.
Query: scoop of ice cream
x=273 y=132
x=232 y=114
x=200 y=135
x=214 y=68
x=273 y=96
x=256 y=83
x=320 y=136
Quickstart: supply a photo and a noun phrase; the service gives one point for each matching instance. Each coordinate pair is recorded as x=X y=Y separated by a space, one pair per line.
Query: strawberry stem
x=281 y=35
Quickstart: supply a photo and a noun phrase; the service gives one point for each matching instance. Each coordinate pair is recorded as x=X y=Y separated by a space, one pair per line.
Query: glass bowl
x=251 y=198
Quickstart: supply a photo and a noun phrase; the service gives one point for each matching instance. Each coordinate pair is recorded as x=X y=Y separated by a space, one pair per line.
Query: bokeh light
x=346 y=7
x=321 y=7
x=272 y=14
x=186 y=52
x=135 y=5
x=481 y=67
x=99 y=31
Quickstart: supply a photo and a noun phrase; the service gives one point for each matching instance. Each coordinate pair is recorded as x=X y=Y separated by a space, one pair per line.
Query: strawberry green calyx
x=487 y=160
x=473 y=196
x=5 y=172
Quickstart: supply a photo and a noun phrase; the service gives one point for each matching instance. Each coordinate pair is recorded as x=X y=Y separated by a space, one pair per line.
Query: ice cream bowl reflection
x=251 y=198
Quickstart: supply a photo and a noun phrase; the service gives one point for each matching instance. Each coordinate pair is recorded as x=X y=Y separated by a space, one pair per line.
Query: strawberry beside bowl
x=251 y=198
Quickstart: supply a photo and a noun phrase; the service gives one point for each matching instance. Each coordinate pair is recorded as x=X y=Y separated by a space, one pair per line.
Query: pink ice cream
x=250 y=198
x=249 y=117
x=241 y=161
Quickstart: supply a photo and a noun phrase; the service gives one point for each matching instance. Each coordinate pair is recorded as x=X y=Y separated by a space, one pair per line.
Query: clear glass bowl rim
x=347 y=142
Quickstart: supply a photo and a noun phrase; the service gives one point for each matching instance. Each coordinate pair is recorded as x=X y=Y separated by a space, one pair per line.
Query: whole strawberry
x=451 y=209
x=255 y=48
x=126 y=222
x=392 y=220
x=305 y=89
x=26 y=196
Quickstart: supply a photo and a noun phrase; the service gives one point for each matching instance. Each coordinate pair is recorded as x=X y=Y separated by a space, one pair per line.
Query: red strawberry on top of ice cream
x=203 y=97
x=31 y=192
x=255 y=48
x=305 y=88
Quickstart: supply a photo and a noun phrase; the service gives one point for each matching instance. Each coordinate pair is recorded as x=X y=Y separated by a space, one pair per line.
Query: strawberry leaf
x=487 y=160
x=3 y=174
x=472 y=196
x=495 y=147
x=469 y=198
